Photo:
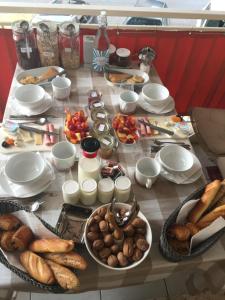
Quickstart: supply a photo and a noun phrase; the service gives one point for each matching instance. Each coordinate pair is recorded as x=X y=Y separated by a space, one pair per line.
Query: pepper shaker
x=146 y=56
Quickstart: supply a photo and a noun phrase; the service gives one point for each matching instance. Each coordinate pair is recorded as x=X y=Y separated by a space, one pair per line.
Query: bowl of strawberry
x=76 y=126
x=125 y=128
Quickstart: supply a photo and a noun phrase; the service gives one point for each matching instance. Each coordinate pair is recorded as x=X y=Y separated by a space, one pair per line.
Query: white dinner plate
x=35 y=73
x=130 y=72
x=186 y=177
x=155 y=109
x=22 y=110
x=29 y=190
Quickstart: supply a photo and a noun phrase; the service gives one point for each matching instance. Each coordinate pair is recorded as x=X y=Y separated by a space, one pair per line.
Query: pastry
x=118 y=77
x=22 y=237
x=37 y=267
x=65 y=278
x=71 y=259
x=205 y=201
x=138 y=79
x=51 y=72
x=6 y=240
x=180 y=232
x=54 y=245
x=9 y=222
x=211 y=216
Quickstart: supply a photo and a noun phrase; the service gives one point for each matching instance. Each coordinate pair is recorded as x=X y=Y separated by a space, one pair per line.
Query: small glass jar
x=69 y=45
x=123 y=57
x=100 y=128
x=99 y=114
x=97 y=105
x=26 y=46
x=47 y=42
x=107 y=143
x=93 y=96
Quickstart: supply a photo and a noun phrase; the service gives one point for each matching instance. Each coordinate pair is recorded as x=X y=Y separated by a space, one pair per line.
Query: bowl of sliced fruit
x=76 y=126
x=125 y=128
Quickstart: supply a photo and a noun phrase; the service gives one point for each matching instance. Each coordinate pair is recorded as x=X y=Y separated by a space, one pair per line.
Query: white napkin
x=27 y=190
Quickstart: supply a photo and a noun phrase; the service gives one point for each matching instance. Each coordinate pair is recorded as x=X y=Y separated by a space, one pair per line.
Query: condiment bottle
x=123 y=57
x=47 y=42
x=69 y=45
x=26 y=46
x=101 y=45
x=89 y=164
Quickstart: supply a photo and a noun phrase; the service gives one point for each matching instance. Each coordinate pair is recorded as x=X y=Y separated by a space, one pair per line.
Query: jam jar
x=100 y=128
x=107 y=144
x=99 y=114
x=47 y=42
x=123 y=57
x=93 y=96
x=69 y=45
x=26 y=46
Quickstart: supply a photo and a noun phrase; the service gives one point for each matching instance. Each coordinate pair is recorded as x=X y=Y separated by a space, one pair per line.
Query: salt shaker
x=146 y=56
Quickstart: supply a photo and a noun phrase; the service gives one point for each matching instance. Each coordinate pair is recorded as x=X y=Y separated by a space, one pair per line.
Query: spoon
x=157 y=142
x=34 y=206
x=39 y=121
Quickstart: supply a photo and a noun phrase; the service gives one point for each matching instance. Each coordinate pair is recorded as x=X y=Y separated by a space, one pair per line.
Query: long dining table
x=156 y=203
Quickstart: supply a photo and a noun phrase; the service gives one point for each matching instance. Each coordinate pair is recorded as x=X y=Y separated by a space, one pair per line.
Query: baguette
x=71 y=259
x=37 y=267
x=205 y=201
x=9 y=222
x=219 y=196
x=65 y=278
x=54 y=245
x=211 y=216
x=22 y=237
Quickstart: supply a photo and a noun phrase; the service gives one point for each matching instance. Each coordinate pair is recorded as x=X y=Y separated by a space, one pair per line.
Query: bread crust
x=204 y=202
x=211 y=216
x=22 y=238
x=54 y=245
x=65 y=278
x=9 y=222
x=71 y=259
x=180 y=232
x=37 y=267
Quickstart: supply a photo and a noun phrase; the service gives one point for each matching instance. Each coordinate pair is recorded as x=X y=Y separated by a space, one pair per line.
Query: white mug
x=128 y=102
x=61 y=87
x=147 y=171
x=63 y=155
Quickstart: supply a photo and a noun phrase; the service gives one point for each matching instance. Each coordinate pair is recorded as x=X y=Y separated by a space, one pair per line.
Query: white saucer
x=186 y=177
x=47 y=103
x=29 y=190
x=169 y=106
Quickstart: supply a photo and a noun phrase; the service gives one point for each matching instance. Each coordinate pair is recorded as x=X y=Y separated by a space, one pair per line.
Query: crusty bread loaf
x=6 y=240
x=54 y=245
x=71 y=259
x=37 y=267
x=211 y=216
x=22 y=238
x=65 y=278
x=9 y=222
x=219 y=196
x=205 y=201
x=193 y=228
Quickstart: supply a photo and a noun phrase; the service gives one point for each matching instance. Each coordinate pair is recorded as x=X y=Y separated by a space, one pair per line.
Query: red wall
x=191 y=65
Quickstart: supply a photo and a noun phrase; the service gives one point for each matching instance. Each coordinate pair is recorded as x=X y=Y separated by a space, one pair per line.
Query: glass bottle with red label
x=101 y=45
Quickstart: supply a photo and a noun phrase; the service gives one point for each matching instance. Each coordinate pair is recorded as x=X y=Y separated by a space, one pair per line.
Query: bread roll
x=180 y=232
x=54 y=245
x=205 y=201
x=22 y=238
x=211 y=216
x=71 y=259
x=6 y=241
x=65 y=278
x=9 y=222
x=37 y=267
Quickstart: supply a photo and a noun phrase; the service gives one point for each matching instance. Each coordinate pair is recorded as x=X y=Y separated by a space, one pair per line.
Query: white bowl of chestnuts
x=121 y=248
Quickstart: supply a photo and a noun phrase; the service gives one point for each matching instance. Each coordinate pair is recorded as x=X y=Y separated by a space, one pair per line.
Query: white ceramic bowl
x=176 y=158
x=148 y=238
x=24 y=168
x=30 y=95
x=155 y=94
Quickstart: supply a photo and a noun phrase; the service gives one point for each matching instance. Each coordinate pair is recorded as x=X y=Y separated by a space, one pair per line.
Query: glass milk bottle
x=101 y=45
x=89 y=164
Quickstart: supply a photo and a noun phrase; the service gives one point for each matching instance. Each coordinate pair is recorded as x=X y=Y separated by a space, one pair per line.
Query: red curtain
x=190 y=64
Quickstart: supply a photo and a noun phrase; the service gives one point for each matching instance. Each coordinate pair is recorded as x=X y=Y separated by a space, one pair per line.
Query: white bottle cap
x=123 y=183
x=106 y=185
x=89 y=185
x=70 y=187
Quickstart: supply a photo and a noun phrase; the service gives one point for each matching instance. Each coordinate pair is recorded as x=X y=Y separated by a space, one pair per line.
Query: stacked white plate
x=26 y=174
x=178 y=164
x=32 y=100
x=155 y=98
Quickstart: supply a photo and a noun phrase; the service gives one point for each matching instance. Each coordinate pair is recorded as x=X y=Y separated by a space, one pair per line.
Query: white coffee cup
x=63 y=155
x=147 y=171
x=128 y=102
x=61 y=87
